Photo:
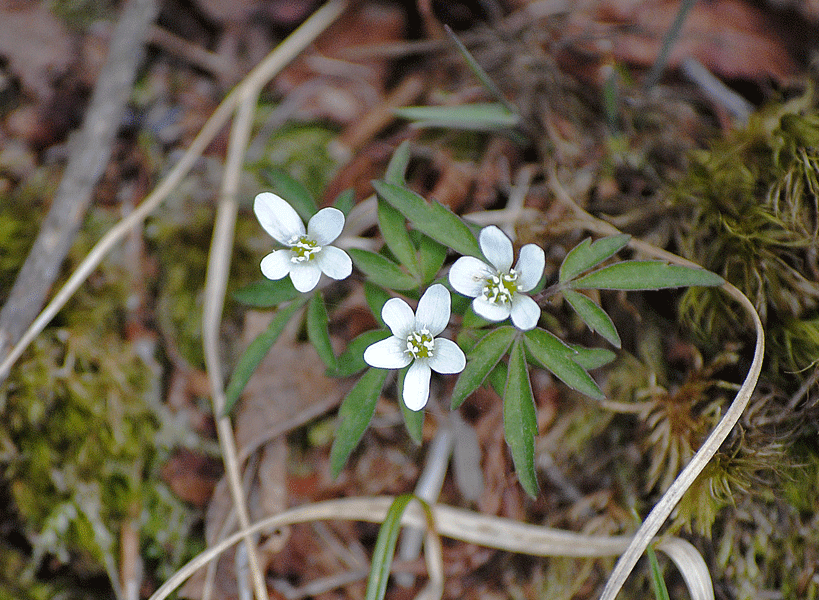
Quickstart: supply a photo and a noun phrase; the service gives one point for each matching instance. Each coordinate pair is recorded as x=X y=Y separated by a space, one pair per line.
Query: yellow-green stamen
x=303 y=249
x=420 y=344
x=500 y=288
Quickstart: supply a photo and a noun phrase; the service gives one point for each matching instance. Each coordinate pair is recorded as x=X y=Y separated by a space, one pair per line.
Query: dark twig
x=91 y=151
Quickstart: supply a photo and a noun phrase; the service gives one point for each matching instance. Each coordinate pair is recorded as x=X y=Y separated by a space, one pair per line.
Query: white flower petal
x=416 y=385
x=305 y=276
x=277 y=264
x=388 y=354
x=468 y=274
x=525 y=312
x=325 y=226
x=531 y=263
x=489 y=310
x=334 y=262
x=277 y=217
x=399 y=317
x=496 y=247
x=447 y=357
x=433 y=310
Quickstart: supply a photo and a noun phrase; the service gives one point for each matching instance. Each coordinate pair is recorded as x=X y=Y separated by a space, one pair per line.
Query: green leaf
x=645 y=275
x=355 y=414
x=413 y=419
x=382 y=271
x=557 y=357
x=351 y=361
x=266 y=293
x=592 y=358
x=519 y=419
x=397 y=168
x=595 y=317
x=432 y=257
x=473 y=117
x=385 y=548
x=376 y=298
x=436 y=221
x=317 y=331
x=256 y=351
x=345 y=201
x=586 y=255
x=393 y=228
x=657 y=581
x=481 y=360
x=293 y=191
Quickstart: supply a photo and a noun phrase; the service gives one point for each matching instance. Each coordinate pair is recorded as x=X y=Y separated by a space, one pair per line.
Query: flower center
x=303 y=249
x=420 y=344
x=500 y=288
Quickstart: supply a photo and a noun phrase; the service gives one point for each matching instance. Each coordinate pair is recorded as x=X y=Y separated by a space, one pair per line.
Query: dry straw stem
x=291 y=47
x=215 y=286
x=663 y=508
x=458 y=524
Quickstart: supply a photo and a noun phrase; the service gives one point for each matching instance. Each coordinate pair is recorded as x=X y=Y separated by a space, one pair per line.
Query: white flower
x=496 y=287
x=308 y=254
x=413 y=341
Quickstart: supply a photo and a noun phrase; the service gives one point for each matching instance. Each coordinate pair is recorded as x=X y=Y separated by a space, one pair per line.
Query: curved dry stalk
x=455 y=523
x=663 y=508
x=283 y=54
x=672 y=496
x=215 y=286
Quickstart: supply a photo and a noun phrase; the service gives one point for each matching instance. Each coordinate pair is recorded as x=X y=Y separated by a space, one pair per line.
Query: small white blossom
x=496 y=288
x=413 y=341
x=308 y=253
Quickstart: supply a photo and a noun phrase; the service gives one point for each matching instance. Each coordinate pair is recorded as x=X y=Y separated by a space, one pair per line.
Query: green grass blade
x=385 y=548
x=481 y=360
x=469 y=117
x=657 y=581
x=519 y=419
x=432 y=219
x=317 y=331
x=593 y=316
x=256 y=351
x=293 y=191
x=382 y=271
x=587 y=254
x=478 y=71
x=555 y=356
x=645 y=275
x=355 y=414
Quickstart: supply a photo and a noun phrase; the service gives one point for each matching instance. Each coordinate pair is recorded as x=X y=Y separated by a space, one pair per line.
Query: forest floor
x=695 y=129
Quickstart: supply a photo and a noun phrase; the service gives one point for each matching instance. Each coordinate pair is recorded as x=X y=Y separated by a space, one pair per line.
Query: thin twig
x=91 y=149
x=215 y=286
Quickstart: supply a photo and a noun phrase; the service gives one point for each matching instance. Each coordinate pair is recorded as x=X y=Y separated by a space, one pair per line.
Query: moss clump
x=751 y=214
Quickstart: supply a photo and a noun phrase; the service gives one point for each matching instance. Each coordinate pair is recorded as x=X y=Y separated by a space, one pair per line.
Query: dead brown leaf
x=733 y=39
x=288 y=389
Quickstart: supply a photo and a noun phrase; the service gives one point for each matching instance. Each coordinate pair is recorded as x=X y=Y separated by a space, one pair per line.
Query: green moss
x=751 y=213
x=301 y=149
x=79 y=436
